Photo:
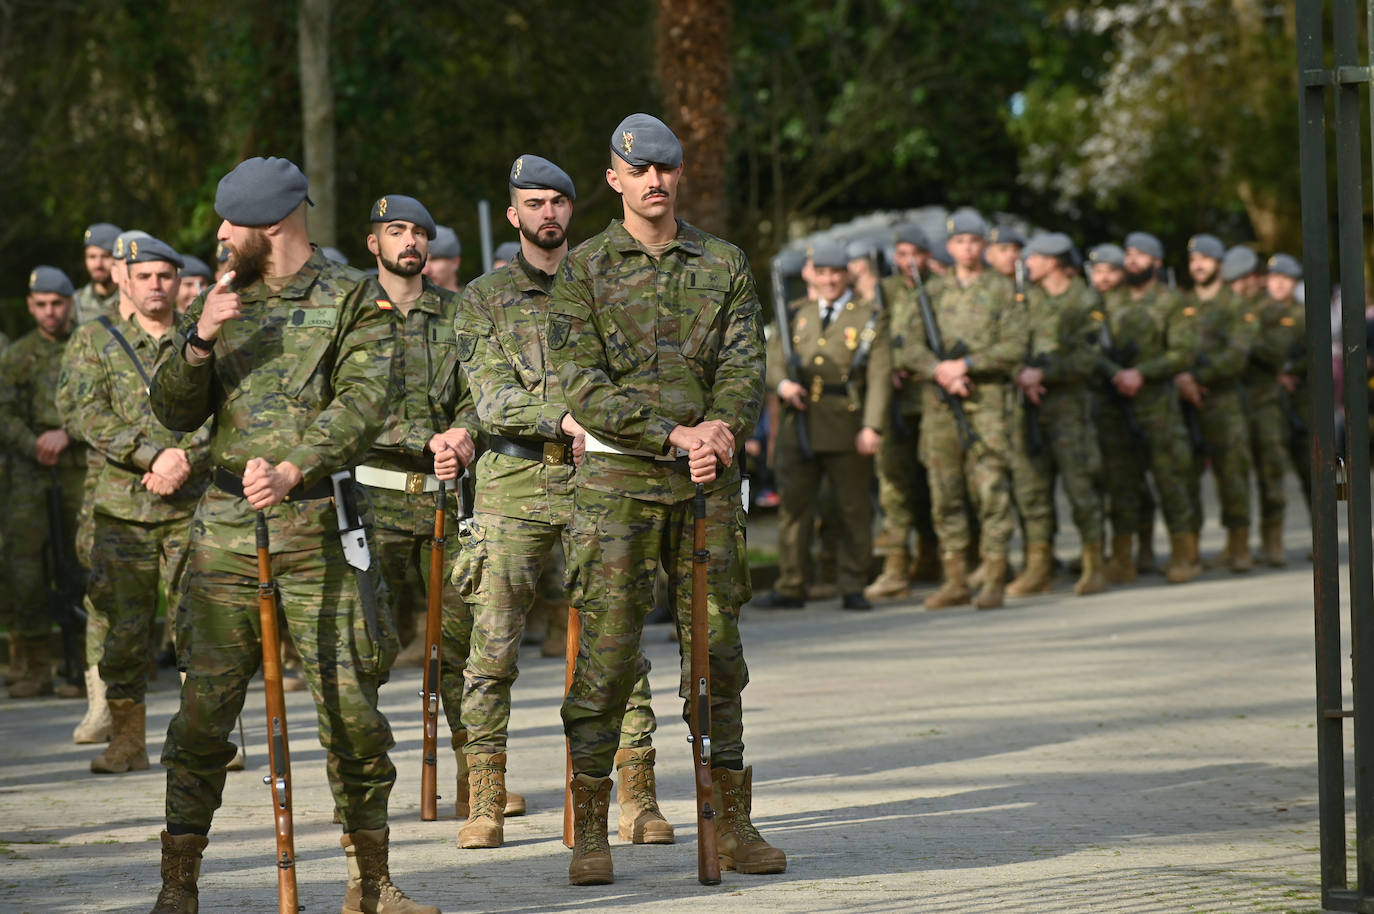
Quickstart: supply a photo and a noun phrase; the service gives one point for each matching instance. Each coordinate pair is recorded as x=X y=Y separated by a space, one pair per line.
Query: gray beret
x=1239 y=261
x=911 y=233
x=400 y=208
x=102 y=235
x=1285 y=265
x=149 y=250
x=221 y=252
x=642 y=139
x=828 y=254
x=261 y=192
x=1207 y=245
x=1050 y=244
x=334 y=255
x=1145 y=243
x=1006 y=234
x=966 y=221
x=1108 y=253
x=860 y=250
x=192 y=265
x=530 y=172
x=50 y=279
x=445 y=243
x=506 y=251
x=941 y=254
x=121 y=245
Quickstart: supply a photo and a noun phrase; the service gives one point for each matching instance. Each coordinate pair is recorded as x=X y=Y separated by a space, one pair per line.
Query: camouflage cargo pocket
x=467 y=574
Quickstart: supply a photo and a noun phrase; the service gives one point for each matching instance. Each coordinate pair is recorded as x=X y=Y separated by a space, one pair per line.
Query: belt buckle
x=555 y=454
x=415 y=483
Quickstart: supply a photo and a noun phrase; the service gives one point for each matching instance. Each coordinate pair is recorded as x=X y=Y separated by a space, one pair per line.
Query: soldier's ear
x=372 y=245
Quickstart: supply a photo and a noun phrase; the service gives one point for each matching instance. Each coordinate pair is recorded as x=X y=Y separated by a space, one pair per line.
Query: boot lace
x=639 y=783
x=592 y=811
x=737 y=814
x=487 y=794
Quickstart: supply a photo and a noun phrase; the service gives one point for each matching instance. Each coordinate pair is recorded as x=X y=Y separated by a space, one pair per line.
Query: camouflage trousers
x=219 y=647
x=976 y=479
x=799 y=481
x=499 y=572
x=1227 y=441
x=616 y=546
x=1069 y=450
x=1164 y=454
x=30 y=613
x=404 y=560
x=903 y=487
x=132 y=563
x=1268 y=451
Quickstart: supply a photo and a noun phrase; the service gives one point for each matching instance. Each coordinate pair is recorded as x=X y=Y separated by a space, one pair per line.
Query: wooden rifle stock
x=699 y=664
x=569 y=664
x=429 y=692
x=278 y=777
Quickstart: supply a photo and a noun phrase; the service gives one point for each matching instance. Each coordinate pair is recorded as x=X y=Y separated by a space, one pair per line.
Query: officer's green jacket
x=1065 y=335
x=304 y=375
x=840 y=401
x=90 y=304
x=102 y=397
x=1156 y=328
x=29 y=370
x=642 y=346
x=502 y=330
x=984 y=316
x=1220 y=337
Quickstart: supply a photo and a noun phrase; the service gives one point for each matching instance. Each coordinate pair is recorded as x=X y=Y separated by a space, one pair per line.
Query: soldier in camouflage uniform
x=101 y=294
x=146 y=488
x=1005 y=245
x=846 y=367
x=295 y=367
x=1284 y=273
x=1221 y=335
x=524 y=503
x=1153 y=338
x=42 y=454
x=1064 y=352
x=656 y=333
x=980 y=326
x=903 y=488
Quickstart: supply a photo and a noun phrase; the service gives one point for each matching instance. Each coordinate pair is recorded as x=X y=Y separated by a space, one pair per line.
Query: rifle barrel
x=278 y=746
x=429 y=692
x=708 y=857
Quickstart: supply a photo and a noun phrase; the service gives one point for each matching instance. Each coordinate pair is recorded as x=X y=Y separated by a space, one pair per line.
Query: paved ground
x=1148 y=750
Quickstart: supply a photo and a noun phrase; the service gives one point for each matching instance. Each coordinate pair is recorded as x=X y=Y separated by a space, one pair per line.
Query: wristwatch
x=193 y=339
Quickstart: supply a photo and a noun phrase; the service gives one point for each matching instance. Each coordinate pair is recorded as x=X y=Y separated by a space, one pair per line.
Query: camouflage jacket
x=1154 y=331
x=90 y=304
x=903 y=310
x=503 y=338
x=840 y=400
x=29 y=370
x=1279 y=347
x=1220 y=336
x=304 y=375
x=102 y=396
x=433 y=397
x=642 y=346
x=1065 y=335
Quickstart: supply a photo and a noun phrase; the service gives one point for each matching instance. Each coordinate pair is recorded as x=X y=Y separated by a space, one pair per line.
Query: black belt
x=835 y=390
x=552 y=453
x=126 y=467
x=232 y=483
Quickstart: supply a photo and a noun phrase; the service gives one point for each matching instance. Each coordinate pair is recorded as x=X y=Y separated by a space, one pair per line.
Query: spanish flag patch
x=1287 y=321
x=385 y=305
x=1189 y=311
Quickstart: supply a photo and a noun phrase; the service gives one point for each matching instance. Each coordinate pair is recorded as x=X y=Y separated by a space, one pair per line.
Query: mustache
x=655 y=192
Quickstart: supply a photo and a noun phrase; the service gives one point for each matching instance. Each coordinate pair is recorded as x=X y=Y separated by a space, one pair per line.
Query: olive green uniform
x=89 y=304
x=1271 y=412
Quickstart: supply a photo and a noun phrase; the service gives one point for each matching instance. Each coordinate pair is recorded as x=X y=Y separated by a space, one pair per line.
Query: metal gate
x=1339 y=474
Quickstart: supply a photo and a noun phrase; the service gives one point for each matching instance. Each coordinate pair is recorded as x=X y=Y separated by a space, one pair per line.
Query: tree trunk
x=694 y=70
x=317 y=110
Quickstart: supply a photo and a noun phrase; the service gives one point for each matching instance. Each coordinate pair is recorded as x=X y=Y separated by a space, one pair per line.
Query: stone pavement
x=1147 y=750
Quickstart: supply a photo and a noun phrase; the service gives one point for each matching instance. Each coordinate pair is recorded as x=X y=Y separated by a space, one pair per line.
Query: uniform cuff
x=144 y=455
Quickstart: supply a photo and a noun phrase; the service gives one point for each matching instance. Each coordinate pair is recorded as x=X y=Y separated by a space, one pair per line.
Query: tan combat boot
x=96 y=725
x=180 y=870
x=641 y=822
x=925 y=568
x=991 y=594
x=128 y=748
x=1039 y=574
x=738 y=842
x=1271 y=544
x=591 y=860
x=892 y=583
x=1183 y=565
x=1092 y=579
x=954 y=592
x=1121 y=566
x=18 y=660
x=370 y=889
x=556 y=641
x=1238 y=549
x=485 y=826
x=37 y=677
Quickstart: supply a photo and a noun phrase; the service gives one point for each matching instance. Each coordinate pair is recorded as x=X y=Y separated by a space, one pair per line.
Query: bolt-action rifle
x=278 y=778
x=791 y=362
x=429 y=690
x=967 y=437
x=699 y=714
x=1120 y=355
x=66 y=587
x=1034 y=442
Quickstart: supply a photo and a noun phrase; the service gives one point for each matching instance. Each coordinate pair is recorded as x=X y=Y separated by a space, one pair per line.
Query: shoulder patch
x=1287 y=321
x=560 y=327
x=1190 y=311
x=466 y=346
x=1097 y=316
